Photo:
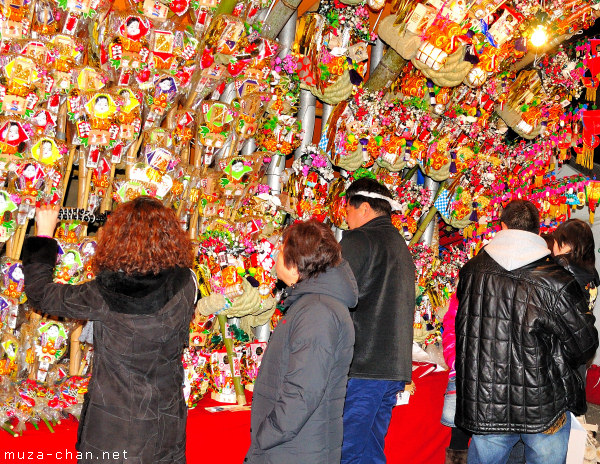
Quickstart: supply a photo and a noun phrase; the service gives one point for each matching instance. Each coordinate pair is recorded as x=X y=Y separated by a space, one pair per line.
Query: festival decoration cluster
x=197 y=104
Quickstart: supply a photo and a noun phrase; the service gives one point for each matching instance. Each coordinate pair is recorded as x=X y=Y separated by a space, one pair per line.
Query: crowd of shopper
x=517 y=336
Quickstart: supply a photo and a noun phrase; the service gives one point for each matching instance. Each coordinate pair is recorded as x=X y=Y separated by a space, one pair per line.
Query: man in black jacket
x=522 y=328
x=383 y=320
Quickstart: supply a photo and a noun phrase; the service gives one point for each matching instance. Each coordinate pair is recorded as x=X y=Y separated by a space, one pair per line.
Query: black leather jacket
x=520 y=336
x=588 y=279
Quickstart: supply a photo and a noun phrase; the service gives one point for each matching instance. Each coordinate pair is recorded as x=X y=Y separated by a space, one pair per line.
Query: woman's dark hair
x=578 y=235
x=521 y=215
x=310 y=247
x=142 y=237
x=367 y=184
x=549 y=240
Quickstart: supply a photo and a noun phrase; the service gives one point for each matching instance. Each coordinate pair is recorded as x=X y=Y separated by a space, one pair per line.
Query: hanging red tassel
x=591 y=85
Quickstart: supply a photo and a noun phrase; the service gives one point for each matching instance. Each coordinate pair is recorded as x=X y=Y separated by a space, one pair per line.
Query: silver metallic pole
x=229 y=93
x=306 y=115
x=376 y=54
x=248 y=148
x=286 y=40
x=427 y=236
x=274 y=172
x=287 y=35
x=262 y=332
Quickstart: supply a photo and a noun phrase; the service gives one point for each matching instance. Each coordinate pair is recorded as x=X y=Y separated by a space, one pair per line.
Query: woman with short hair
x=299 y=393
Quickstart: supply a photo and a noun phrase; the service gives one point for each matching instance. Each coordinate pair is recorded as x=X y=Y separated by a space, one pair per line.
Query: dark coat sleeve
x=74 y=301
x=313 y=341
x=574 y=325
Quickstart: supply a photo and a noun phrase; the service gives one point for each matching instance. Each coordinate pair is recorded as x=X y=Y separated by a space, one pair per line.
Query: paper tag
x=230 y=408
x=402 y=398
x=42 y=371
x=12 y=316
x=421 y=18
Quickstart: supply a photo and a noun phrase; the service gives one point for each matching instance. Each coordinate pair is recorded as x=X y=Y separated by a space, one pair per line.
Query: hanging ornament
x=476 y=77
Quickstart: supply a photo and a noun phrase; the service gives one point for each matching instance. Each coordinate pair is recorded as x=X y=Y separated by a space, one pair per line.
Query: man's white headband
x=393 y=203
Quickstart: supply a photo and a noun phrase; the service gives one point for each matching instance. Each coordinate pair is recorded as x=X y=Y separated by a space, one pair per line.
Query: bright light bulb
x=538 y=38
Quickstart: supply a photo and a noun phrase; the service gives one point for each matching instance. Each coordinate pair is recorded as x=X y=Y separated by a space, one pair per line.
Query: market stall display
x=207 y=107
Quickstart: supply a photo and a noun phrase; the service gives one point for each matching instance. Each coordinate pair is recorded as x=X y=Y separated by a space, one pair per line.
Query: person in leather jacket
x=523 y=327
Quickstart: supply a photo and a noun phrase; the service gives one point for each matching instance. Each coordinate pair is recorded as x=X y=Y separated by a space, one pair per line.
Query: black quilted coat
x=520 y=336
x=134 y=410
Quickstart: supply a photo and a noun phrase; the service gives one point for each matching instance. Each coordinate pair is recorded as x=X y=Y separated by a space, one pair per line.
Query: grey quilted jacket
x=299 y=393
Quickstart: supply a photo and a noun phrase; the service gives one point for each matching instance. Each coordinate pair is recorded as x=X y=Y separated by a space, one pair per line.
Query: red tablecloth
x=415 y=435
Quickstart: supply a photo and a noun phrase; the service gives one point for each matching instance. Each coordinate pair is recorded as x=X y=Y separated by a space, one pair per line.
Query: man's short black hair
x=367 y=184
x=521 y=215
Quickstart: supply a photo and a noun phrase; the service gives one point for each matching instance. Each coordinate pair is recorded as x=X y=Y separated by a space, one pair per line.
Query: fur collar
x=140 y=294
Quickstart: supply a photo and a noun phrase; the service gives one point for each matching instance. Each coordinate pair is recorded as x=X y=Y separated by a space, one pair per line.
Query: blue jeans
x=449 y=403
x=367 y=415
x=540 y=448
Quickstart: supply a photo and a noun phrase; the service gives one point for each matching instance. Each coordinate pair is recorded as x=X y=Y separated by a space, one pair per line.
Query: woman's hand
x=46 y=218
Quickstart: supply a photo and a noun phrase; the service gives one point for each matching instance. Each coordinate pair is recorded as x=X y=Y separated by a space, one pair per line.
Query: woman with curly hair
x=141 y=302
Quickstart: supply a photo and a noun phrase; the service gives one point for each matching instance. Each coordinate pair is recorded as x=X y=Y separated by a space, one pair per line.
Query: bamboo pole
x=278 y=17
x=10 y=244
x=423 y=225
x=88 y=183
x=48 y=424
x=81 y=179
x=237 y=383
x=193 y=231
x=21 y=239
x=132 y=154
x=75 y=352
x=7 y=428
x=61 y=122
x=387 y=71
x=68 y=173
x=427 y=219
x=411 y=172
x=107 y=200
x=225 y=7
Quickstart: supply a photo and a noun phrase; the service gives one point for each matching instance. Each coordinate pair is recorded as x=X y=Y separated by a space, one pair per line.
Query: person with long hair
x=299 y=393
x=141 y=302
x=573 y=248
